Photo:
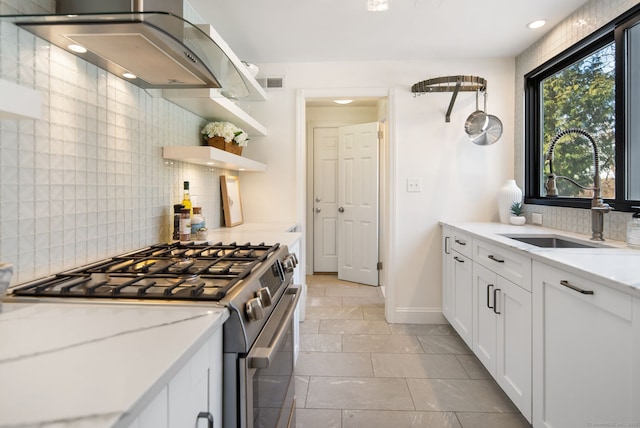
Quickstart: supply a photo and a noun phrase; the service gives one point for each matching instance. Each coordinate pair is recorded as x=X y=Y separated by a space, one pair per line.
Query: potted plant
x=517 y=214
x=225 y=136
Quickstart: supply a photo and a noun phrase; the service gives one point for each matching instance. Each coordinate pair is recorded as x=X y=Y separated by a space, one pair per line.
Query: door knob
x=317 y=210
x=317 y=199
x=341 y=209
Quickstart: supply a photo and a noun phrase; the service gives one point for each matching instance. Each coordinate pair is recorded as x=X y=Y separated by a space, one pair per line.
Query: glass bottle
x=197 y=221
x=633 y=230
x=177 y=208
x=186 y=199
x=185 y=225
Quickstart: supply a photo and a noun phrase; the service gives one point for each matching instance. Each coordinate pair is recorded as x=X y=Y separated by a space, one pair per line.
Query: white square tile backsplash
x=88 y=180
x=578 y=25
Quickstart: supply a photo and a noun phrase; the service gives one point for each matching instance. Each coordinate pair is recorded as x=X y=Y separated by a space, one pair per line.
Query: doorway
x=343 y=166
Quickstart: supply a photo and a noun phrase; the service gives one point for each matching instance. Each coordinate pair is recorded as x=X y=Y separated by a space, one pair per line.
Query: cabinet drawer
x=509 y=265
x=602 y=297
x=462 y=243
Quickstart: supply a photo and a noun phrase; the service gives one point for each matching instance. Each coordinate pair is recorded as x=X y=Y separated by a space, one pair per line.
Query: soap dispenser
x=633 y=230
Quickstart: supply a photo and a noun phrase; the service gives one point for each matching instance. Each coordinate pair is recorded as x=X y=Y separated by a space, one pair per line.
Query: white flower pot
x=518 y=221
x=507 y=195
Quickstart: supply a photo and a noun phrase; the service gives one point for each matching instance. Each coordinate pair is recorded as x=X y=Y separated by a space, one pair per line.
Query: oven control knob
x=290 y=262
x=254 y=309
x=265 y=297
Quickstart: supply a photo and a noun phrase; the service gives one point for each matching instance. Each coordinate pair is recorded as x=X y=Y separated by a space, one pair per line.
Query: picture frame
x=231 y=202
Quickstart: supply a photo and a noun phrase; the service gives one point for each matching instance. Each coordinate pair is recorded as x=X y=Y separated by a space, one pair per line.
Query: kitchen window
x=593 y=86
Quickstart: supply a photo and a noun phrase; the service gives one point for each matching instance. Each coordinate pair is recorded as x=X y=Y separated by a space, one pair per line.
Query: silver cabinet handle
x=575 y=288
x=341 y=209
x=492 y=257
x=446 y=245
x=317 y=210
x=459 y=242
x=205 y=415
x=457 y=259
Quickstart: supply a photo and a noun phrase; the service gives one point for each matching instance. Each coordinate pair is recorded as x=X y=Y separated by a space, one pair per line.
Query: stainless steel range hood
x=148 y=39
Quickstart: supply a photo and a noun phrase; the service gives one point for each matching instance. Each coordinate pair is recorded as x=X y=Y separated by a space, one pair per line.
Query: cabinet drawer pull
x=495 y=301
x=459 y=242
x=205 y=415
x=489 y=287
x=457 y=259
x=446 y=245
x=575 y=288
x=492 y=257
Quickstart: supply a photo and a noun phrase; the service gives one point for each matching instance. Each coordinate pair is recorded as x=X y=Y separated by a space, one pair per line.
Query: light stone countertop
x=269 y=233
x=617 y=267
x=93 y=365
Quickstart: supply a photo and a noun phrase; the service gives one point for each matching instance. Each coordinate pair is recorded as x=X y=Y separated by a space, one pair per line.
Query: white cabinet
x=457 y=283
x=502 y=334
x=486 y=298
x=586 y=352
x=192 y=396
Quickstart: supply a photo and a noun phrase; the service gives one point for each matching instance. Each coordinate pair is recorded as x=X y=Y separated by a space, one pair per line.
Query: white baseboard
x=417 y=316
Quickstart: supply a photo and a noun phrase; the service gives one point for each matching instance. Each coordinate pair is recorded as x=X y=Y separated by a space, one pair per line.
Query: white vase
x=517 y=220
x=507 y=195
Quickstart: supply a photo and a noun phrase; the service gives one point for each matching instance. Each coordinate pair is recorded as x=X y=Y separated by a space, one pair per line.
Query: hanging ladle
x=483 y=129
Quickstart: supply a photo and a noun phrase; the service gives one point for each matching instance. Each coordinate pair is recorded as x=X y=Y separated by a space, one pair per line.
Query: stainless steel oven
x=267 y=372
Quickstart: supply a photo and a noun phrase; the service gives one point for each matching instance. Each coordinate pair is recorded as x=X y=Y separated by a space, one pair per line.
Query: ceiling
x=268 y=31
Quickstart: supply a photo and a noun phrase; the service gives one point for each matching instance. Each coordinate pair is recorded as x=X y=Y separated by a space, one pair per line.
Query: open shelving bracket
x=453 y=84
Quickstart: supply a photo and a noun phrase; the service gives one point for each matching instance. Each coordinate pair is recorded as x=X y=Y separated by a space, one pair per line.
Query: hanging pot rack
x=453 y=84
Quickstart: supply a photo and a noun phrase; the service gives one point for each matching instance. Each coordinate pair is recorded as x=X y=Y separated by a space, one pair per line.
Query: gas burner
x=190 y=271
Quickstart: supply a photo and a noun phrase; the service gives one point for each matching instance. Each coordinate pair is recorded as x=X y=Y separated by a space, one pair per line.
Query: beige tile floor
x=356 y=370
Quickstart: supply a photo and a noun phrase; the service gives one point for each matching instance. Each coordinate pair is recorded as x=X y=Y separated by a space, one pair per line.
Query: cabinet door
x=485 y=318
x=513 y=365
x=155 y=415
x=215 y=378
x=188 y=391
x=447 y=275
x=462 y=298
x=584 y=368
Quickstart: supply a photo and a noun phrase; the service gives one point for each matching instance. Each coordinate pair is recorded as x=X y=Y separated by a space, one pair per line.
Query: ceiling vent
x=271 y=82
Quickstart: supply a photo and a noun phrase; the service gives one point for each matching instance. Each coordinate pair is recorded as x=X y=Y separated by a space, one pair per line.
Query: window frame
x=611 y=32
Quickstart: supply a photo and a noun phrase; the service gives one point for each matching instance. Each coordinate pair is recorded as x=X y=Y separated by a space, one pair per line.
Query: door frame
x=387 y=179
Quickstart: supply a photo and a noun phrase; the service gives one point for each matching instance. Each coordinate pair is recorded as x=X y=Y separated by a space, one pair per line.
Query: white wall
x=460 y=179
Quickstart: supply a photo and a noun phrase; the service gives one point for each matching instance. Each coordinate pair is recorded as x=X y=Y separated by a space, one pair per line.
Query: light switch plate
x=414 y=184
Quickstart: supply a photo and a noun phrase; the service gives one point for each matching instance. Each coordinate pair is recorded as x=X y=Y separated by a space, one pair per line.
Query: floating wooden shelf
x=210 y=156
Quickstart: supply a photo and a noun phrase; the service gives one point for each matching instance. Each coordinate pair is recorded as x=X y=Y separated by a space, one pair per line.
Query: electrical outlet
x=414 y=184
x=536 y=218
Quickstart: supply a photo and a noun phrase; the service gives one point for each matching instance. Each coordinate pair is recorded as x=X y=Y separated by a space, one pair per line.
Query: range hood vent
x=154 y=49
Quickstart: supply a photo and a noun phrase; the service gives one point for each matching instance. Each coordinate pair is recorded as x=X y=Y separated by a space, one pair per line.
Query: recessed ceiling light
x=77 y=48
x=377 y=5
x=342 y=101
x=128 y=75
x=536 y=24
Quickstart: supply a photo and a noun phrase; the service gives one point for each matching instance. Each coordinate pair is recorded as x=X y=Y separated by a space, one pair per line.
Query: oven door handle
x=261 y=357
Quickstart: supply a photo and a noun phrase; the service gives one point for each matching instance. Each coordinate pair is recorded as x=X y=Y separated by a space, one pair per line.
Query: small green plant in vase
x=517 y=214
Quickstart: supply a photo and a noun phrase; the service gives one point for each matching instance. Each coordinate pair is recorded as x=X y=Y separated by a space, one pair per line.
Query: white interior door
x=358 y=203
x=325 y=199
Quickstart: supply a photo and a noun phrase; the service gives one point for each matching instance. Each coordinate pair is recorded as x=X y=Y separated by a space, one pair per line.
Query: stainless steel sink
x=554 y=241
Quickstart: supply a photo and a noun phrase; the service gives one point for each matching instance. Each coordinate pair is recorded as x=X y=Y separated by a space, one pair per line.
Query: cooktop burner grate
x=176 y=271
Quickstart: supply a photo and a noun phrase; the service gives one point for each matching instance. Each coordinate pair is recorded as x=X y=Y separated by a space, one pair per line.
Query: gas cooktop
x=176 y=271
